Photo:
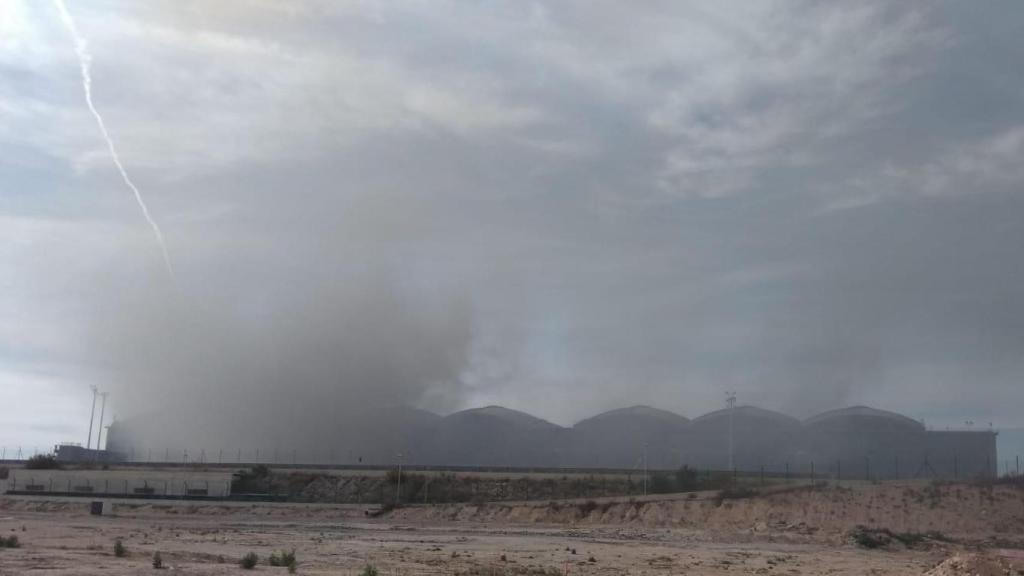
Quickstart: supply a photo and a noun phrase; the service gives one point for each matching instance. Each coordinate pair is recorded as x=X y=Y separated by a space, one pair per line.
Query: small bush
x=9 y=542
x=384 y=509
x=282 y=558
x=686 y=479
x=257 y=479
x=249 y=561
x=661 y=483
x=733 y=493
x=872 y=538
x=158 y=561
x=43 y=462
x=369 y=570
x=119 y=550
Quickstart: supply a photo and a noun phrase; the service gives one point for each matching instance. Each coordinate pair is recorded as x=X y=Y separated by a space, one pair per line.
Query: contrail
x=84 y=59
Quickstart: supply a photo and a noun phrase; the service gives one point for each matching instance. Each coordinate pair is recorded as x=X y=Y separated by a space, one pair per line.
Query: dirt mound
x=970 y=565
x=928 y=510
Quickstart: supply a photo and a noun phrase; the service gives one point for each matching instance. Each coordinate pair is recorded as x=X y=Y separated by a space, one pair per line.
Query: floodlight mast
x=92 y=415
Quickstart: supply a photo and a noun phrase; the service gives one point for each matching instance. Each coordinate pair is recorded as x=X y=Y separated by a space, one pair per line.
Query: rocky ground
x=907 y=529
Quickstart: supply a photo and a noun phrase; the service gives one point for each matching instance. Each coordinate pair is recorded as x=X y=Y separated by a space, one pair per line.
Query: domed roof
x=750 y=412
x=639 y=412
x=513 y=417
x=862 y=412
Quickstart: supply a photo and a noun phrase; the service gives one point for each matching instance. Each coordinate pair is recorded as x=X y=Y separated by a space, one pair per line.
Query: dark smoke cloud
x=286 y=351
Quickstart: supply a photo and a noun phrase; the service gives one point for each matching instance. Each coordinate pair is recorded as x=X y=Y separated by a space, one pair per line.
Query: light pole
x=398 y=488
x=103 y=409
x=730 y=400
x=92 y=416
x=645 y=468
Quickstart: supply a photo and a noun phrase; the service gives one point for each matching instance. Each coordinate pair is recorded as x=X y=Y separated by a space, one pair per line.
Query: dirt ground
x=659 y=536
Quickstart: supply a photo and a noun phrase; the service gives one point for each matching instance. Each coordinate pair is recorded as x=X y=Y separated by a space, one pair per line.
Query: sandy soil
x=60 y=537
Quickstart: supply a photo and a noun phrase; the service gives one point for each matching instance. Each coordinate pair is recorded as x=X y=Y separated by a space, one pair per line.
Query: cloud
x=799 y=80
x=594 y=203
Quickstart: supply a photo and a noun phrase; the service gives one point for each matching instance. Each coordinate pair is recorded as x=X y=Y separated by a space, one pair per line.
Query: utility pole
x=103 y=409
x=92 y=415
x=730 y=400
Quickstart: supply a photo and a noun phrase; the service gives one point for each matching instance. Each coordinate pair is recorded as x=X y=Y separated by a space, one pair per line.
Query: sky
x=559 y=207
